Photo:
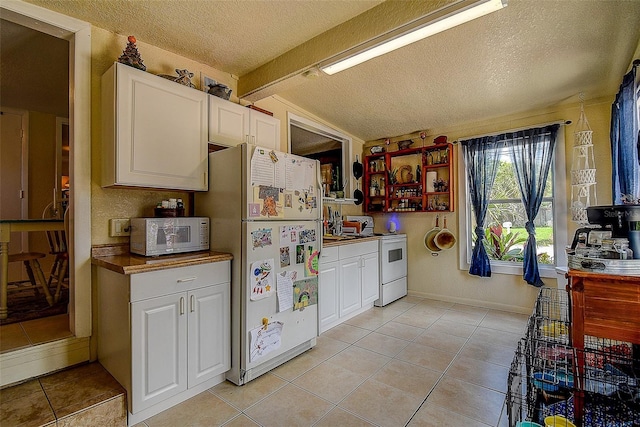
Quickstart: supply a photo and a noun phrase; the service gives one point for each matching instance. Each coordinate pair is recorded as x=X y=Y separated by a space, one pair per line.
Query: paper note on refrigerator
x=311 y=258
x=264 y=340
x=262 y=279
x=285 y=289
x=305 y=293
x=262 y=168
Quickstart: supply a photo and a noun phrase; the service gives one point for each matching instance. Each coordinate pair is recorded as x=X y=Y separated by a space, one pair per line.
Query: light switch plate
x=119 y=227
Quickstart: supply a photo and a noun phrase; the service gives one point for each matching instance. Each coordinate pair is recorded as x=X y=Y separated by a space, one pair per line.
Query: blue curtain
x=625 y=141
x=532 y=153
x=482 y=157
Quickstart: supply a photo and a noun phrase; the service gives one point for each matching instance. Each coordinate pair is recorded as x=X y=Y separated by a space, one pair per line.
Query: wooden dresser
x=604 y=306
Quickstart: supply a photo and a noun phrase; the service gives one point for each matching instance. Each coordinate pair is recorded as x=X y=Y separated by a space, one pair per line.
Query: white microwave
x=160 y=236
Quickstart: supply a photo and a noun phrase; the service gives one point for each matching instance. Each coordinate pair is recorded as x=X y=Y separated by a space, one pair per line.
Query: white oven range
x=393 y=268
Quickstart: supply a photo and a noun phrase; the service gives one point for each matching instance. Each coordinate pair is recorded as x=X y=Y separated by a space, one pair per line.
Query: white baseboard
x=20 y=365
x=133 y=419
x=474 y=302
x=345 y=318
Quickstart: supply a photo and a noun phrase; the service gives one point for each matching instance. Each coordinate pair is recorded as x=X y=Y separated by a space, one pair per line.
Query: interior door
x=13 y=181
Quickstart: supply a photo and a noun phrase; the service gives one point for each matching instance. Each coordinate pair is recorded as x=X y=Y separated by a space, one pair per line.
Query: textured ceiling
x=233 y=36
x=530 y=55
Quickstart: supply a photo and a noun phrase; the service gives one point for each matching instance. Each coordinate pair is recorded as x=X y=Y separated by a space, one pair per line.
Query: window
x=505 y=232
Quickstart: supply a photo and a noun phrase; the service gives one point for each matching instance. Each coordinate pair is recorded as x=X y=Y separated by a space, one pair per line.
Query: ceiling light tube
x=424 y=27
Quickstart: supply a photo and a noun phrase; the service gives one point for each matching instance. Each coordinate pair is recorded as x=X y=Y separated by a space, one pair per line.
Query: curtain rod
x=557 y=122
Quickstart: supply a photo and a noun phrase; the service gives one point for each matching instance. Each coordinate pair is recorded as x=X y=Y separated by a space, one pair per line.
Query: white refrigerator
x=264 y=208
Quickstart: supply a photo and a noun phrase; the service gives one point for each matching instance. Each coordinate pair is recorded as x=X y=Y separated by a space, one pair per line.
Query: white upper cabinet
x=232 y=124
x=154 y=132
x=264 y=130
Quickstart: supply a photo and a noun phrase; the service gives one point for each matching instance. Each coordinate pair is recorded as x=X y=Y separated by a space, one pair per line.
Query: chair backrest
x=57 y=238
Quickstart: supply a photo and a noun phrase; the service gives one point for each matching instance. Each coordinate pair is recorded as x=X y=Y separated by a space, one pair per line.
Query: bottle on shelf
x=373 y=190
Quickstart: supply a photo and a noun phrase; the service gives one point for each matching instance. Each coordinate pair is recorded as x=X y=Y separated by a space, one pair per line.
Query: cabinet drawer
x=180 y=279
x=329 y=254
x=357 y=249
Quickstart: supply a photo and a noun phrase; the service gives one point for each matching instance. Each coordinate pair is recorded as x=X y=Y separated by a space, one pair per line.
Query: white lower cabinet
x=173 y=342
x=348 y=283
x=370 y=277
x=328 y=309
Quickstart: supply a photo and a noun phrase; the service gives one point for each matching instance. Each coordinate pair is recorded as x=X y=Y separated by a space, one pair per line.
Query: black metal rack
x=545 y=381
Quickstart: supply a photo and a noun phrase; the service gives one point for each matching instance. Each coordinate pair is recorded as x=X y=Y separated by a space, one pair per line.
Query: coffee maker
x=612 y=228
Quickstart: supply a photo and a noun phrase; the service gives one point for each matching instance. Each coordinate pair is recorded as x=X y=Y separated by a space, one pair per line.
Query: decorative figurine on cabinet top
x=219 y=90
x=130 y=55
x=184 y=77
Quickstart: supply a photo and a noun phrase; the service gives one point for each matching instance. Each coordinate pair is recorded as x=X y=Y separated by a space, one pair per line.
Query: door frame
x=41 y=359
x=58 y=199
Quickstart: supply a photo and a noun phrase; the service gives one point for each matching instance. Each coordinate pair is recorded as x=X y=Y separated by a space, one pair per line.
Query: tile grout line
x=448 y=366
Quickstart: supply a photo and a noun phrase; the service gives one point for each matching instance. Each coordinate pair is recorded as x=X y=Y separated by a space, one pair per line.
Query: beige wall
x=440 y=277
x=125 y=203
x=280 y=109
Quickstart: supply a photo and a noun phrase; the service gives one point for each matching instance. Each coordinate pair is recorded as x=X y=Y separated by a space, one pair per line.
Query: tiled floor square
x=416 y=362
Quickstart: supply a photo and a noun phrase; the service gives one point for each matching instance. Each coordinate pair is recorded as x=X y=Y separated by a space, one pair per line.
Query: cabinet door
x=370 y=278
x=156 y=120
x=228 y=122
x=265 y=130
x=209 y=333
x=159 y=349
x=350 y=285
x=328 y=294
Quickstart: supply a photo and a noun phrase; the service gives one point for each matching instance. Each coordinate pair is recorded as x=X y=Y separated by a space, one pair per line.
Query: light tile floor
x=416 y=362
x=85 y=395
x=33 y=332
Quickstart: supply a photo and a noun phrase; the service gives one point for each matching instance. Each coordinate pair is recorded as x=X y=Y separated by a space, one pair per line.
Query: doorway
x=47 y=357
x=34 y=147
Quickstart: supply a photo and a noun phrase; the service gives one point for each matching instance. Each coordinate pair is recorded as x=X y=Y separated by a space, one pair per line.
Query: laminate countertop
x=115 y=259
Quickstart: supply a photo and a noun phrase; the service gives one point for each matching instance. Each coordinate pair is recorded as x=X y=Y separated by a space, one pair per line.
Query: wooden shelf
x=379 y=169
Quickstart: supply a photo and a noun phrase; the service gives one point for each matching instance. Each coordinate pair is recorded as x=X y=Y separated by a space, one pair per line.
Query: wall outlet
x=119 y=227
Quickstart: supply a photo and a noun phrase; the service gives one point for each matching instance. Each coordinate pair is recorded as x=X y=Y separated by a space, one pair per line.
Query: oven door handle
x=393 y=241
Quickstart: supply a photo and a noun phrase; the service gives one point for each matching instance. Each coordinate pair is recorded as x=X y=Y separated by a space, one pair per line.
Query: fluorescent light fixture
x=433 y=23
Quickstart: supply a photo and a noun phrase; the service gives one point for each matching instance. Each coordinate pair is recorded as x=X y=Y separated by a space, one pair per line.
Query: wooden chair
x=57 y=239
x=34 y=271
